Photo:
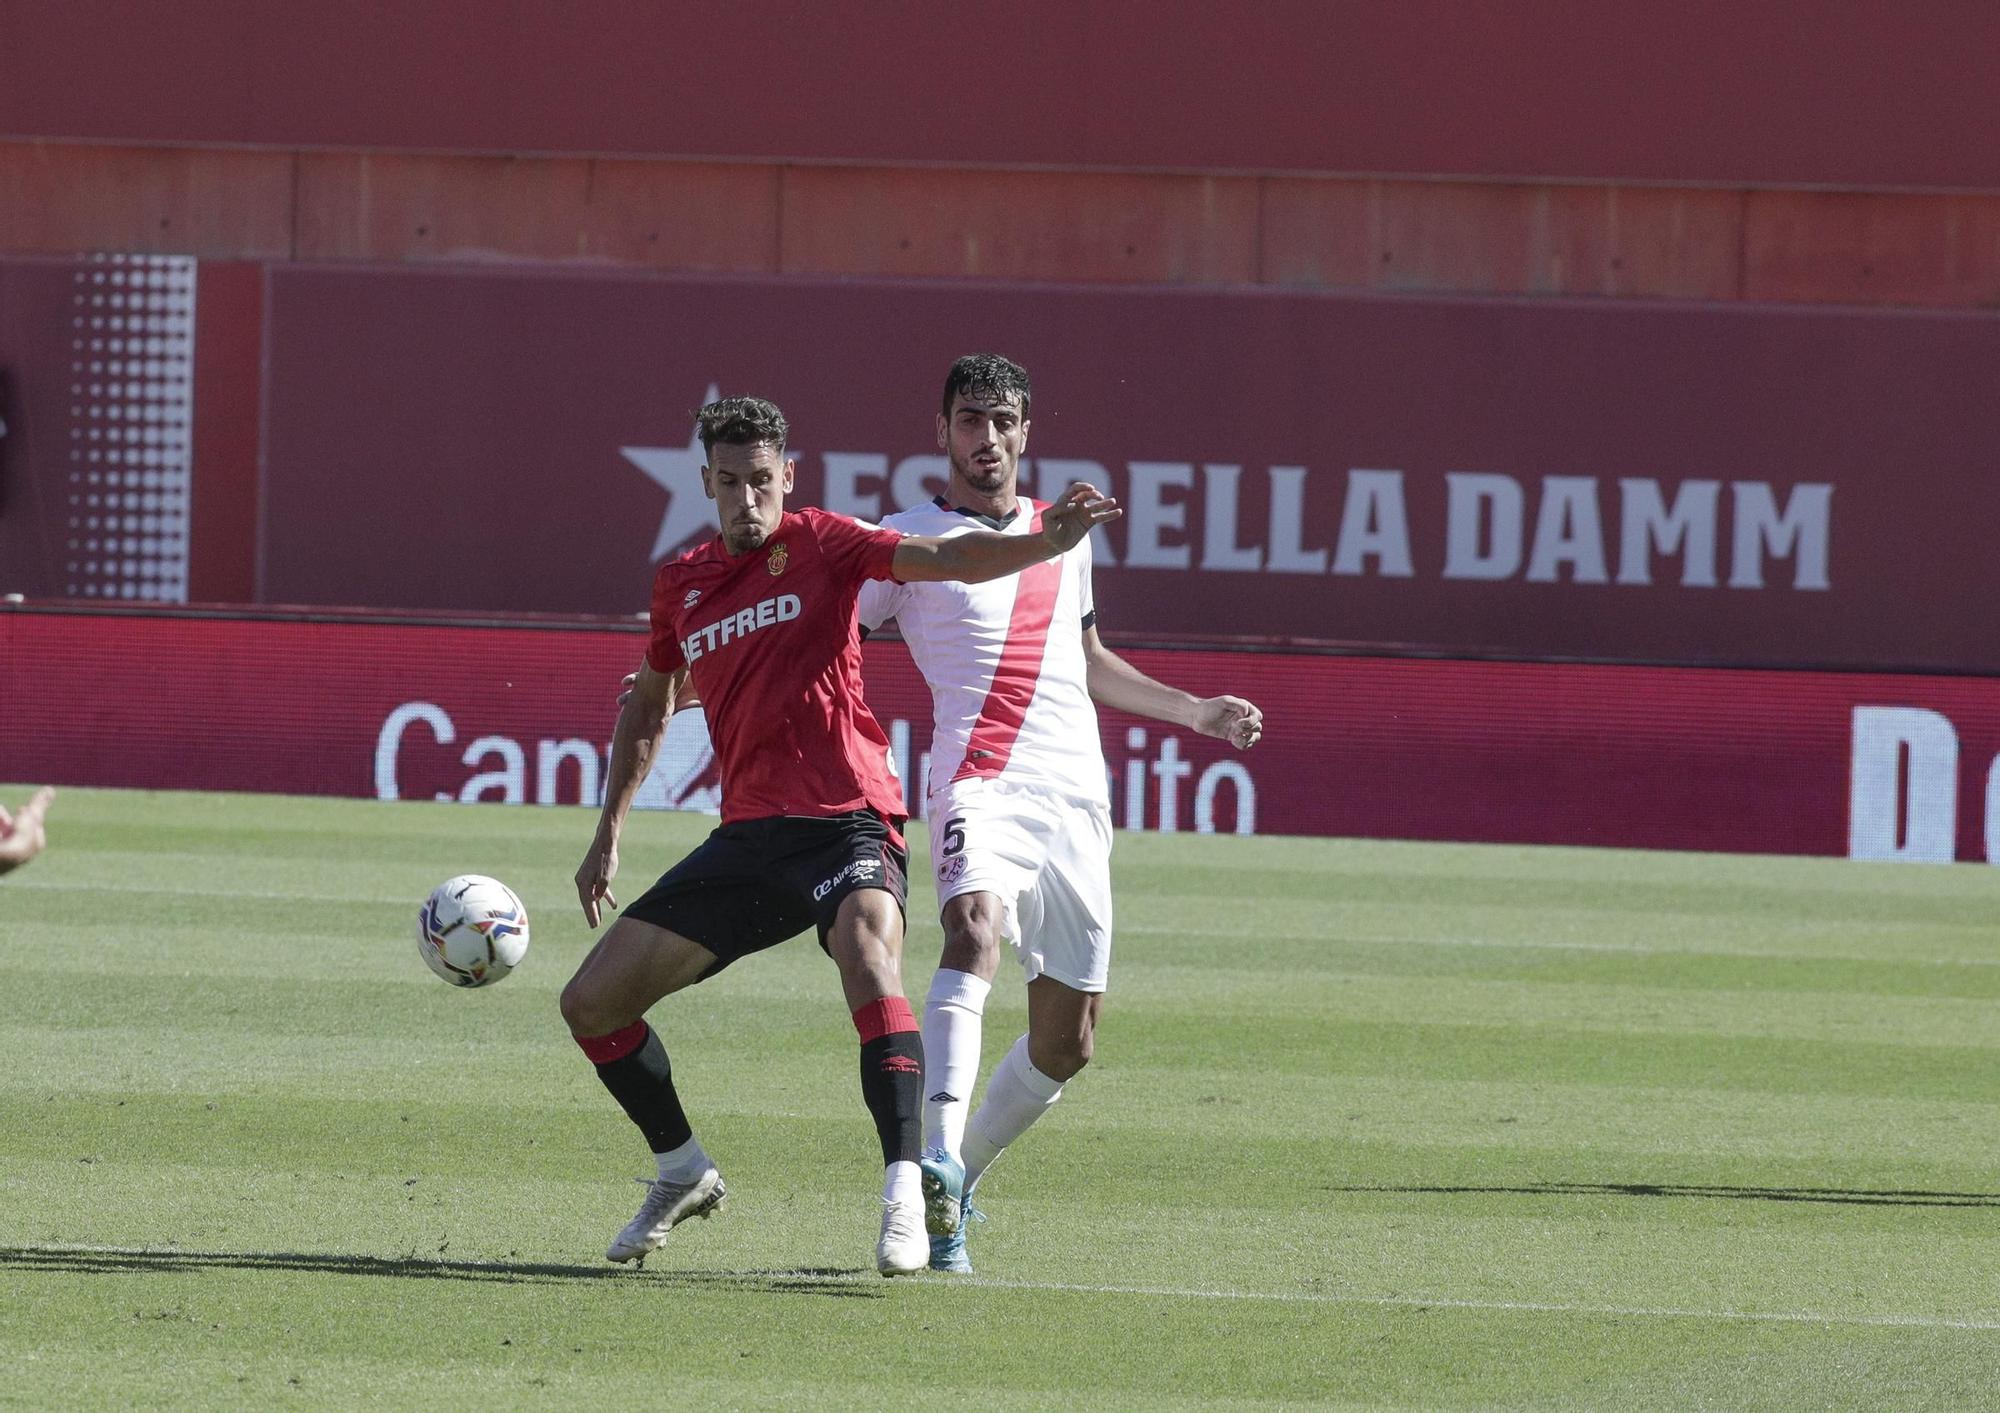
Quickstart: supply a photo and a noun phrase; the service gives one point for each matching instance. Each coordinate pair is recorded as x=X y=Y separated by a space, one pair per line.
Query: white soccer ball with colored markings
x=472 y=930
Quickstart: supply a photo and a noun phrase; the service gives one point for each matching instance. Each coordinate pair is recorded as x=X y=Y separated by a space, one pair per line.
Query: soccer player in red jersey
x=761 y=620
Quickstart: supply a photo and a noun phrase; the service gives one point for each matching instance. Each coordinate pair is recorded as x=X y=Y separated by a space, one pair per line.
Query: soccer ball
x=472 y=930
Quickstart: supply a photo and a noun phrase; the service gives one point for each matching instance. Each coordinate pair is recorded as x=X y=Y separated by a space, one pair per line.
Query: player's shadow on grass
x=813 y=1280
x=1864 y=1197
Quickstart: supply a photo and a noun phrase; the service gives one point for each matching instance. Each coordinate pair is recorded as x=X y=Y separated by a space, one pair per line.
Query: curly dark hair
x=742 y=421
x=988 y=377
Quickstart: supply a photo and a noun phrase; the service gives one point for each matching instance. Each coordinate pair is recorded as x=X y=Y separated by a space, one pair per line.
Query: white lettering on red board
x=1902 y=801
x=1183 y=515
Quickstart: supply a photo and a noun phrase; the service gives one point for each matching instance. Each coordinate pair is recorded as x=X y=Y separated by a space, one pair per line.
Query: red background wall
x=1797 y=92
x=1821 y=150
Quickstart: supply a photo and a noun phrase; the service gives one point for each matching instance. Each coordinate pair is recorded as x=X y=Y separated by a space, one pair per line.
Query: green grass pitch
x=1371 y=1125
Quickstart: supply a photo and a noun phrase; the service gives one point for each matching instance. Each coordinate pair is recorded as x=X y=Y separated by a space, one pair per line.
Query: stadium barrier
x=1790 y=92
x=1702 y=484
x=1721 y=486
x=1871 y=766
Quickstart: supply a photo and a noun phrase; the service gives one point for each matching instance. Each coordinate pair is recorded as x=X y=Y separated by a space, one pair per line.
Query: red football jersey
x=770 y=639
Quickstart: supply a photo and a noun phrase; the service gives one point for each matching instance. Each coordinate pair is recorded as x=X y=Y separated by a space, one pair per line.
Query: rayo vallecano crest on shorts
x=780 y=556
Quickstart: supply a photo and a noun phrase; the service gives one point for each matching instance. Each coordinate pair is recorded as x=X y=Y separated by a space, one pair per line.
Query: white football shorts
x=1046 y=856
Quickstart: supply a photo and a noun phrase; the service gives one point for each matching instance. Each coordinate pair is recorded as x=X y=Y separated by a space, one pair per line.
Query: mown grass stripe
x=808 y=1275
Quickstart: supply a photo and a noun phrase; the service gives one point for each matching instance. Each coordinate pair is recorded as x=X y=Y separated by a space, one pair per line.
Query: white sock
x=1016 y=1096
x=903 y=1182
x=952 y=1022
x=685 y=1163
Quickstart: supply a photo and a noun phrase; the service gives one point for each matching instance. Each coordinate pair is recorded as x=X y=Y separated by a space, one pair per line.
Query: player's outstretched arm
x=635 y=743
x=980 y=555
x=685 y=695
x=1117 y=683
x=22 y=835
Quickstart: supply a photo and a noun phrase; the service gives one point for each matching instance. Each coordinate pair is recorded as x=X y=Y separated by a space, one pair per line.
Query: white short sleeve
x=1086 y=598
x=878 y=602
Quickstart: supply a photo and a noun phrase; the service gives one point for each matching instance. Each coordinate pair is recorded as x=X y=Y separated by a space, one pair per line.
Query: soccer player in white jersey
x=1020 y=819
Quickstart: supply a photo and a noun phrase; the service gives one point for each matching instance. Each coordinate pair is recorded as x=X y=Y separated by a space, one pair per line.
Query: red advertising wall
x=1674 y=483
x=1844 y=93
x=1866 y=765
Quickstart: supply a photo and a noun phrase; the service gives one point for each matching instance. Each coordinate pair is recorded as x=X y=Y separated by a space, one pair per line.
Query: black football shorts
x=757 y=882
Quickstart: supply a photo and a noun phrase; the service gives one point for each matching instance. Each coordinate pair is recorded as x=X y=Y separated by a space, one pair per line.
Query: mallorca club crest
x=780 y=556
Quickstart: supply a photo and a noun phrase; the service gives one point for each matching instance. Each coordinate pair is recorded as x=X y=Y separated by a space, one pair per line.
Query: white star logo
x=677 y=470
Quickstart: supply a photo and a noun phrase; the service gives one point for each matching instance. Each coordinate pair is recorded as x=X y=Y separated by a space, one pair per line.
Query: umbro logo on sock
x=902 y=1064
x=943 y=1098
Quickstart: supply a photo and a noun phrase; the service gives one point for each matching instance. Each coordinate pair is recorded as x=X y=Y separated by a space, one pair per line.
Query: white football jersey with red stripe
x=1004 y=659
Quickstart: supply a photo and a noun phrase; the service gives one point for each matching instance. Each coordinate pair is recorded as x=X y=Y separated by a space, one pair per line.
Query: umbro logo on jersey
x=779 y=557
x=861 y=871
x=781 y=609
x=693 y=597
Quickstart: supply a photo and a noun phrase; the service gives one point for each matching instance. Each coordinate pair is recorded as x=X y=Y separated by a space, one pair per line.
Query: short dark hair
x=741 y=421
x=986 y=376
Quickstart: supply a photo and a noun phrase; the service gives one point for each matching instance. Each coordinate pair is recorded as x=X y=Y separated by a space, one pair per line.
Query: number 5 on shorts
x=954 y=836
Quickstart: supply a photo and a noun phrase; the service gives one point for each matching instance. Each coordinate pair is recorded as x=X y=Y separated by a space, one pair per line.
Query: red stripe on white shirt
x=1019 y=670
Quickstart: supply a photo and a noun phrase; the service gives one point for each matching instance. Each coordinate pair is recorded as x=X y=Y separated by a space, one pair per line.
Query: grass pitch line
x=1293 y=1297
x=1416 y=1302
x=1648 y=949
x=1500 y=944
x=1622 y=949
x=1652 y=949
x=174 y=890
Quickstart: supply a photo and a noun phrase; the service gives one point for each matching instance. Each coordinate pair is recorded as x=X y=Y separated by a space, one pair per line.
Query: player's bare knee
x=867 y=937
x=971 y=951
x=869 y=962
x=583 y=1011
x=972 y=924
x=866 y=943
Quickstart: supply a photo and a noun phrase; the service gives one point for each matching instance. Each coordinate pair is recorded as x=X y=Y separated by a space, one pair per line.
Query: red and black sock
x=633 y=1065
x=892 y=1075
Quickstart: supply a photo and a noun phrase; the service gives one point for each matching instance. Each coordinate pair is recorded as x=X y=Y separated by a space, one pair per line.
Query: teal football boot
x=948 y=1252
x=944 y=1188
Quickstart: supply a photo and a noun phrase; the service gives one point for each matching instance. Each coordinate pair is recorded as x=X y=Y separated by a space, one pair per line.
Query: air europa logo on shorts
x=861 y=871
x=781 y=609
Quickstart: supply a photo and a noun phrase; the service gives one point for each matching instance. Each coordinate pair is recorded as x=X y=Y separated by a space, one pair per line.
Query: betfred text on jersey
x=779 y=609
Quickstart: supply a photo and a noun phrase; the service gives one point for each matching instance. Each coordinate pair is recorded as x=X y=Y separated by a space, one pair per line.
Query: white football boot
x=905 y=1247
x=667 y=1205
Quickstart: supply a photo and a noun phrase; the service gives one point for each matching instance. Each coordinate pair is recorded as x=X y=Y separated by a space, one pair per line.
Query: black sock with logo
x=892 y=1085
x=892 y=1075
x=633 y=1065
